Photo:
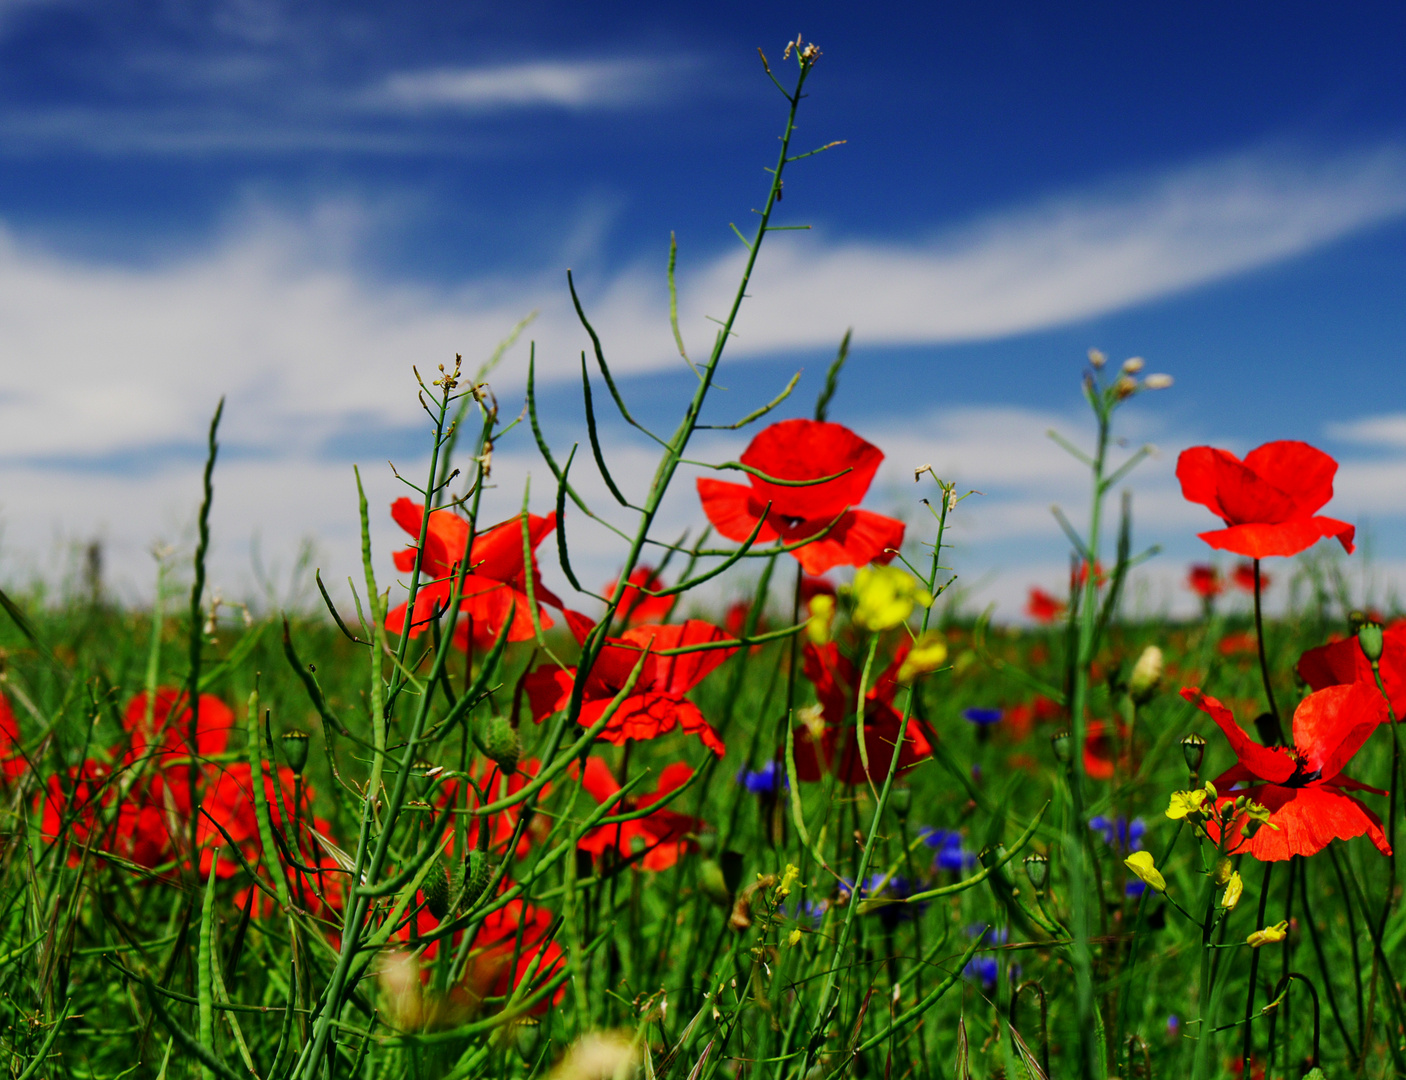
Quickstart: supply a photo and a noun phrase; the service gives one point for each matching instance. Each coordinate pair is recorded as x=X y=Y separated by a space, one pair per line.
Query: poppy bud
x=1193 y=748
x=1370 y=638
x=436 y=890
x=1037 y=869
x=901 y=799
x=501 y=744
x=295 y=749
x=992 y=858
x=710 y=881
x=1061 y=740
x=1146 y=676
x=480 y=870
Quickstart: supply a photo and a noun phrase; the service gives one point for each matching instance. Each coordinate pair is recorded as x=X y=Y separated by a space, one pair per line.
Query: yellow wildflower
x=822 y=613
x=1234 y=887
x=884 y=597
x=1269 y=935
x=928 y=654
x=1141 y=864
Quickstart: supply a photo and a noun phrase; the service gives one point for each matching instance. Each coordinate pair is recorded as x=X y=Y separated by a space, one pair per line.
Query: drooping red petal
x=548 y=690
x=806 y=450
x=1309 y=819
x=1198 y=469
x=1259 y=541
x=598 y=780
x=857 y=539
x=1274 y=766
x=1330 y=725
x=1304 y=472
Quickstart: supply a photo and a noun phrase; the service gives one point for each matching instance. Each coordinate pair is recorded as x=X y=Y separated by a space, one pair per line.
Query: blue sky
x=291 y=203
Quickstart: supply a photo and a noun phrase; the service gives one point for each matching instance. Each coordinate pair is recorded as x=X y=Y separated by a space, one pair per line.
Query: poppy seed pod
x=1146 y=676
x=436 y=890
x=1370 y=638
x=480 y=870
x=1061 y=741
x=901 y=799
x=1193 y=748
x=1037 y=869
x=501 y=743
x=295 y=749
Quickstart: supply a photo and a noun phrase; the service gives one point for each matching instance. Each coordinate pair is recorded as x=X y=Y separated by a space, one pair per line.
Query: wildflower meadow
x=836 y=825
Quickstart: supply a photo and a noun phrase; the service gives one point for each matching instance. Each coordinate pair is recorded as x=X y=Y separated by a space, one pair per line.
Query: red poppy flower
x=807 y=450
x=1303 y=787
x=170 y=726
x=1099 y=763
x=1237 y=644
x=78 y=804
x=1244 y=577
x=1268 y=501
x=494 y=589
x=836 y=682
x=1042 y=607
x=1343 y=662
x=637 y=607
x=12 y=761
x=663 y=836
x=1205 y=582
x=502 y=825
x=1021 y=719
x=516 y=929
x=657 y=704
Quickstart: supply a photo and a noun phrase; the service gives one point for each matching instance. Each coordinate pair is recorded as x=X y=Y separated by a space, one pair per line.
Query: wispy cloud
x=573 y=85
x=1387 y=430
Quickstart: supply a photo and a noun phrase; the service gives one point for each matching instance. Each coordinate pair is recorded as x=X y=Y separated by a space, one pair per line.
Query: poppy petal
x=732 y=509
x=1331 y=725
x=857 y=539
x=805 y=450
x=1309 y=819
x=1197 y=469
x=1260 y=541
x=1304 y=471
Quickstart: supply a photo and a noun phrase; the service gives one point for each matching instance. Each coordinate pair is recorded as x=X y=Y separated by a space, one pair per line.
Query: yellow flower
x=822 y=612
x=1233 y=889
x=1185 y=803
x=1141 y=864
x=787 y=880
x=928 y=653
x=794 y=939
x=1269 y=935
x=884 y=597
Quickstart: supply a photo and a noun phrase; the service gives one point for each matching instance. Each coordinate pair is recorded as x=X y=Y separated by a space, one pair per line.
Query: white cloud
x=107 y=360
x=574 y=85
x=1387 y=430
x=105 y=357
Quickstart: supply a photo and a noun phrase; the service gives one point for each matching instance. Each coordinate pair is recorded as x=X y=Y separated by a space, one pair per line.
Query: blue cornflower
x=898 y=888
x=810 y=911
x=1120 y=833
x=1173 y=1026
x=982 y=716
x=763 y=781
x=984 y=970
x=951 y=855
x=1135 y=887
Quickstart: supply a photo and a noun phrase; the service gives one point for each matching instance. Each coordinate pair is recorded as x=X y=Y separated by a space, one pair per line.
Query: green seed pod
x=295 y=749
x=436 y=890
x=1062 y=742
x=1370 y=638
x=1037 y=869
x=901 y=799
x=476 y=880
x=501 y=744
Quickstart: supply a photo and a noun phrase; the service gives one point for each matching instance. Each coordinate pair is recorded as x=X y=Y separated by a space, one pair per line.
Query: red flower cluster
x=836 y=682
x=807 y=450
x=663 y=836
x=657 y=703
x=1205 y=582
x=1268 y=501
x=495 y=585
x=1303 y=787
